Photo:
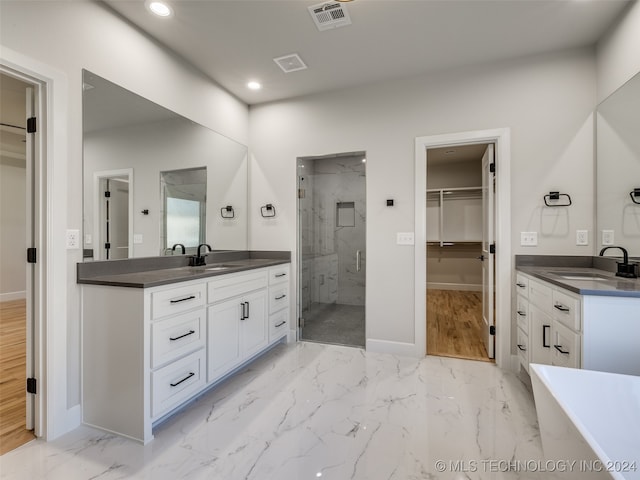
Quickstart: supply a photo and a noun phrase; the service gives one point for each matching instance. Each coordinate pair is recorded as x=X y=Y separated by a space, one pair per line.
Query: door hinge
x=31 y=385
x=107 y=194
x=300 y=322
x=492 y=330
x=31 y=255
x=31 y=125
x=492 y=167
x=492 y=248
x=301 y=193
x=107 y=246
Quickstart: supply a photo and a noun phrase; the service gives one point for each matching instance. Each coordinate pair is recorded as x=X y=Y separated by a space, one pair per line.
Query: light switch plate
x=73 y=239
x=405 y=238
x=88 y=239
x=607 y=237
x=528 y=239
x=582 y=237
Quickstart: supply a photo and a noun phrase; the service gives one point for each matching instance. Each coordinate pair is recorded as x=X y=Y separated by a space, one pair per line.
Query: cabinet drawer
x=540 y=296
x=522 y=285
x=278 y=325
x=566 y=309
x=522 y=312
x=522 y=344
x=177 y=300
x=175 y=336
x=278 y=297
x=279 y=274
x=236 y=284
x=565 y=346
x=177 y=382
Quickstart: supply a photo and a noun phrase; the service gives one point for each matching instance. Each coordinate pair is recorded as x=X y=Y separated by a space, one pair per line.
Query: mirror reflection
x=153 y=178
x=618 y=169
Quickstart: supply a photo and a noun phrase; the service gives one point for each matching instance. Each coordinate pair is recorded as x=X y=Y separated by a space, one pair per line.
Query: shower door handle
x=358 y=260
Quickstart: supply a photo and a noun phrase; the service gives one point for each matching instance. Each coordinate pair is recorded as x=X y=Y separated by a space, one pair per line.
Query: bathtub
x=589 y=422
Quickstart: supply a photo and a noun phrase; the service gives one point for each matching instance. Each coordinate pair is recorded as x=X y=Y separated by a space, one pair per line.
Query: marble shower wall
x=328 y=250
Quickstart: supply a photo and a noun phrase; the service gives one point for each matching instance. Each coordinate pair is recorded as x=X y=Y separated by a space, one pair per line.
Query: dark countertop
x=156 y=271
x=607 y=284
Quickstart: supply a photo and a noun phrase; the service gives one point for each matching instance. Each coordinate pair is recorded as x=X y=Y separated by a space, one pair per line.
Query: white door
x=488 y=186
x=253 y=328
x=30 y=144
x=223 y=337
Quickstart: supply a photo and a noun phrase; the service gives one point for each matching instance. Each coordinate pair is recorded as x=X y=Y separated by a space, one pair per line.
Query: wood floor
x=13 y=333
x=454 y=324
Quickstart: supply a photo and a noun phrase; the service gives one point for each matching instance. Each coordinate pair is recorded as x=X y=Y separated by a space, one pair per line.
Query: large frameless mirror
x=618 y=169
x=153 y=179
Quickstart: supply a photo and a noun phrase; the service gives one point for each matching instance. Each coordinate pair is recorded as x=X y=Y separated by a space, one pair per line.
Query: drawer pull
x=190 y=297
x=280 y=275
x=522 y=348
x=280 y=324
x=191 y=332
x=191 y=374
x=245 y=311
x=544 y=336
x=562 y=308
x=280 y=297
x=559 y=348
x=521 y=285
x=521 y=313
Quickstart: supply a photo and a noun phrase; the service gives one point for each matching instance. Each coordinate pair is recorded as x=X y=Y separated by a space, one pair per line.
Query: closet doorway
x=332 y=248
x=16 y=276
x=459 y=252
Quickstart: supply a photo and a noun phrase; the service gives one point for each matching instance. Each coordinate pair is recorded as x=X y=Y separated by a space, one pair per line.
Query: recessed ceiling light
x=159 y=8
x=253 y=85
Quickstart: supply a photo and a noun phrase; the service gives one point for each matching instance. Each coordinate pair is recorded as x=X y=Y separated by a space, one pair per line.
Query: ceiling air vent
x=290 y=63
x=330 y=15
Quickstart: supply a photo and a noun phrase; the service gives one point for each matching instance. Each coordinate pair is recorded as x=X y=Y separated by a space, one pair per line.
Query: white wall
x=65 y=37
x=13 y=227
x=547 y=101
x=618 y=52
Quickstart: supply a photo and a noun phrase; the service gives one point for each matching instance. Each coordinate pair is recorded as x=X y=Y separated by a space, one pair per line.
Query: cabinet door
x=566 y=346
x=223 y=338
x=539 y=336
x=253 y=328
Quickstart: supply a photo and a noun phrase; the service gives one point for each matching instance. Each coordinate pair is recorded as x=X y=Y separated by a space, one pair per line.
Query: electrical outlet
x=73 y=239
x=405 y=238
x=582 y=237
x=137 y=238
x=607 y=237
x=528 y=239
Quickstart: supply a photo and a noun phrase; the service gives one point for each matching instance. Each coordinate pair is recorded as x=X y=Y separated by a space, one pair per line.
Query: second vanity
x=155 y=338
x=576 y=316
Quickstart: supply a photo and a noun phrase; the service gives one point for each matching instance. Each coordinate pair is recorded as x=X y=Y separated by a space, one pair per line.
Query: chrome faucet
x=198 y=260
x=625 y=269
x=173 y=249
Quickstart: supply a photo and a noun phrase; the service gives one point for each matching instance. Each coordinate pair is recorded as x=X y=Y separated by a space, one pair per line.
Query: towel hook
x=268 y=211
x=556 y=196
x=227 y=212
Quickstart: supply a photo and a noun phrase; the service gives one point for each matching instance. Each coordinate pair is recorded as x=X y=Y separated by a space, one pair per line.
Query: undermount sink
x=582 y=276
x=219 y=267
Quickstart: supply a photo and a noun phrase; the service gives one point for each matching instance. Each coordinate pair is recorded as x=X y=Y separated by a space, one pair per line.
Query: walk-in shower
x=331 y=248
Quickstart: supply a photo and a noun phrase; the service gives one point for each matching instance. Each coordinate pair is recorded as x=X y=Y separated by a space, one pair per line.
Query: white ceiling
x=234 y=41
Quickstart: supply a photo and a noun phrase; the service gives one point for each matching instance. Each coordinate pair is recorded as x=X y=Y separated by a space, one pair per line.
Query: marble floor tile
x=309 y=411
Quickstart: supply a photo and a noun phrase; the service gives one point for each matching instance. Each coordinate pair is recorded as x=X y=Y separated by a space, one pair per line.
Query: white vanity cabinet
x=148 y=351
x=236 y=320
x=563 y=328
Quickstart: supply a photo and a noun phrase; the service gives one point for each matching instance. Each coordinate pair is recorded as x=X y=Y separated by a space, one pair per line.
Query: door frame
x=501 y=137
x=52 y=416
x=98 y=210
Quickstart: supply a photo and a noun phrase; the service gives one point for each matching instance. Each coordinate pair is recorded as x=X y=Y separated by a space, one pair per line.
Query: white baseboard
x=454 y=286
x=7 y=297
x=393 y=348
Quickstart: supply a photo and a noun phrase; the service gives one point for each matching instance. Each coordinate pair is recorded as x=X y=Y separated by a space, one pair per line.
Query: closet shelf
x=454 y=216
